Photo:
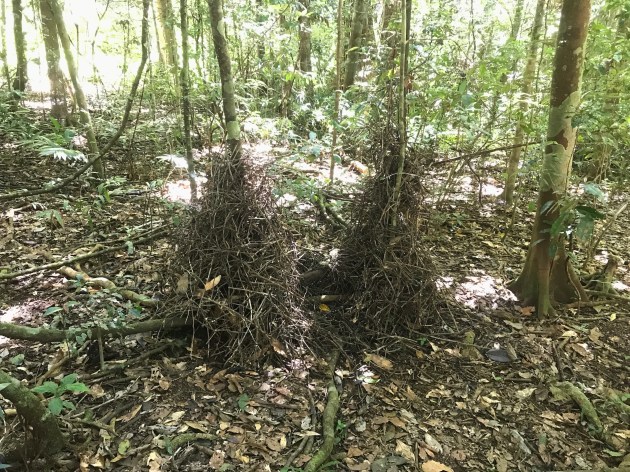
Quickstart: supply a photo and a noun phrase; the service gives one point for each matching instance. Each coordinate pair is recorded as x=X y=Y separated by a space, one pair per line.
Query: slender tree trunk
x=21 y=77
x=185 y=86
x=304 y=50
x=3 y=44
x=227 y=84
x=526 y=90
x=84 y=113
x=338 y=91
x=59 y=106
x=516 y=27
x=547 y=275
x=354 y=45
x=402 y=106
x=166 y=22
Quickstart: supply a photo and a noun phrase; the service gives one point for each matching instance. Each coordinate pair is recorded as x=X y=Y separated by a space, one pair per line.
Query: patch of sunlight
x=179 y=190
x=478 y=291
x=620 y=286
x=13 y=313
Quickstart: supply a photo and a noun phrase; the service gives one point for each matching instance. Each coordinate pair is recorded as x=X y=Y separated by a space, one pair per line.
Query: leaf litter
x=430 y=406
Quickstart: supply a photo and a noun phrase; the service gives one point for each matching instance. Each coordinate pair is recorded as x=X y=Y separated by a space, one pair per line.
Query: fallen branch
x=328 y=419
x=84 y=257
x=568 y=390
x=105 y=283
x=50 y=335
x=483 y=153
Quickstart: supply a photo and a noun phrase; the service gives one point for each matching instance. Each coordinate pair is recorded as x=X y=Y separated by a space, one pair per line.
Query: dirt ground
x=430 y=402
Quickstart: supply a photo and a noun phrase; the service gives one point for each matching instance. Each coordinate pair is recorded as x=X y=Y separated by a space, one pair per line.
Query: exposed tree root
x=47 y=438
x=328 y=419
x=568 y=390
x=84 y=257
x=102 y=282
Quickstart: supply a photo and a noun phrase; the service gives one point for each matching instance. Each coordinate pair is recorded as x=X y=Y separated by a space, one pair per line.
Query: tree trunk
x=59 y=106
x=185 y=87
x=402 y=106
x=227 y=84
x=526 y=89
x=354 y=45
x=516 y=27
x=168 y=40
x=304 y=50
x=547 y=275
x=338 y=60
x=21 y=77
x=84 y=113
x=46 y=436
x=3 y=44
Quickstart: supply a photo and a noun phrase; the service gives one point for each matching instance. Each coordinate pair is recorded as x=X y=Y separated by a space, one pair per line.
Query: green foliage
x=58 y=143
x=16 y=121
x=68 y=384
x=243 y=401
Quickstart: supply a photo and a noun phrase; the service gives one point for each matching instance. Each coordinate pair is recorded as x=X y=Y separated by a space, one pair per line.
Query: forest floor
x=423 y=404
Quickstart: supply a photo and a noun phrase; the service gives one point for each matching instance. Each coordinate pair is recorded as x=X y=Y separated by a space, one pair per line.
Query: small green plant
x=243 y=400
x=67 y=384
x=341 y=429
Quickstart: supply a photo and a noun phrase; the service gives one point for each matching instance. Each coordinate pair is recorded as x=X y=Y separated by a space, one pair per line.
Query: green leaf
x=123 y=447
x=3 y=386
x=17 y=360
x=593 y=189
x=78 y=387
x=46 y=387
x=69 y=379
x=243 y=400
x=55 y=405
x=52 y=309
x=68 y=404
x=590 y=212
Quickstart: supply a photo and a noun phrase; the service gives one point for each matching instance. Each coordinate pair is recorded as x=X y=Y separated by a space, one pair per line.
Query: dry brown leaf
x=210 y=284
x=405 y=450
x=354 y=452
x=182 y=284
x=132 y=413
x=434 y=466
x=365 y=465
x=379 y=361
x=278 y=347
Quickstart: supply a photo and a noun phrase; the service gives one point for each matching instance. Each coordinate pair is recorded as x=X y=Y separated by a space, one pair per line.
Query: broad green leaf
x=46 y=387
x=4 y=385
x=55 y=405
x=78 y=387
x=69 y=379
x=52 y=309
x=243 y=400
x=17 y=360
x=593 y=189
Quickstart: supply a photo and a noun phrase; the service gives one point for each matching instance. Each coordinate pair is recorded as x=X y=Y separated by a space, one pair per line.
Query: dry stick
x=57 y=265
x=302 y=447
x=328 y=419
x=482 y=153
x=112 y=141
x=50 y=335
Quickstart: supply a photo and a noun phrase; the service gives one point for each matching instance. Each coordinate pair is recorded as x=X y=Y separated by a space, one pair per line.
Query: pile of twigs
x=385 y=263
x=238 y=267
